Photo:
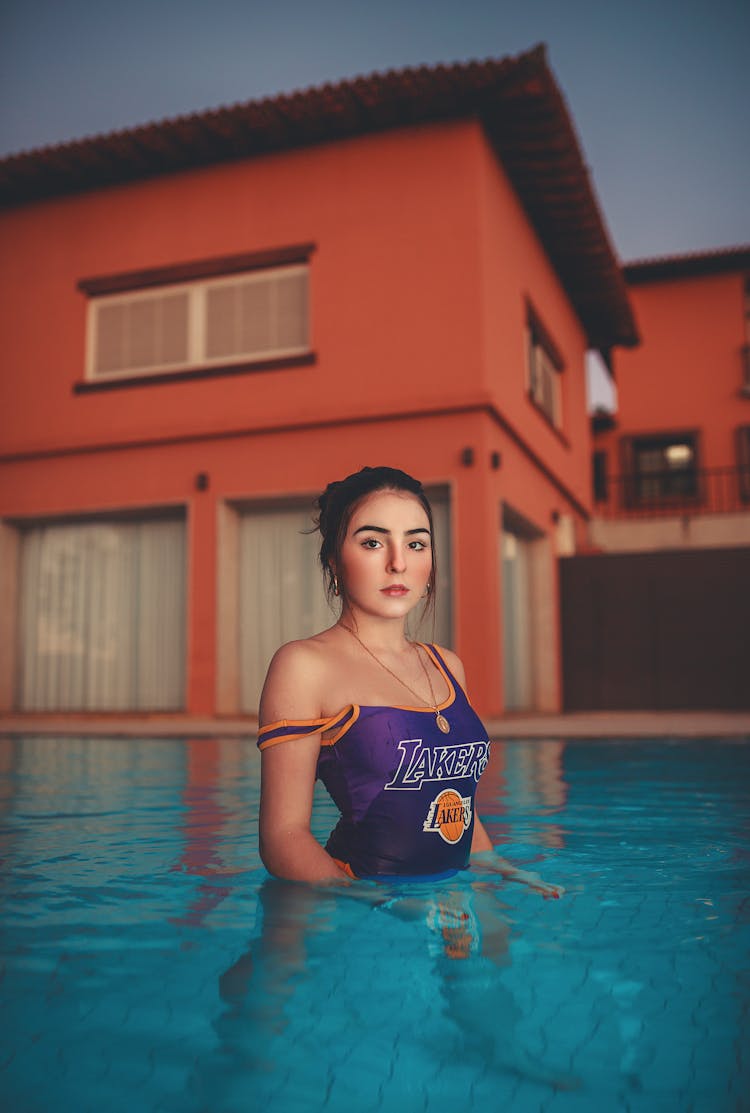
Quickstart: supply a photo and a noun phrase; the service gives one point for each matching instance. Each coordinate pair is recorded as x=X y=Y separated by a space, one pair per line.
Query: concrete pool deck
x=583 y=724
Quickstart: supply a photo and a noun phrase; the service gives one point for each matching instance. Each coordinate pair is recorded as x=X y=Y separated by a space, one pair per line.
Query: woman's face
x=386 y=556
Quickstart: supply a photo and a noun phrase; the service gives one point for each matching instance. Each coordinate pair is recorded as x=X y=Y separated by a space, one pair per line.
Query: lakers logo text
x=449 y=815
x=421 y=763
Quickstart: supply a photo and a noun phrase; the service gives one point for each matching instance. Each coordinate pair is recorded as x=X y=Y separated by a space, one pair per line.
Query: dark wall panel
x=664 y=630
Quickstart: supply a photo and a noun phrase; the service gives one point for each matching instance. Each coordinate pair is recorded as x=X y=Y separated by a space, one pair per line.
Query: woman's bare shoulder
x=296 y=681
x=291 y=654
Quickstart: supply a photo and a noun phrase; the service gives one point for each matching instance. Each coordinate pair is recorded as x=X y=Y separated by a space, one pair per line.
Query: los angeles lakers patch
x=449 y=814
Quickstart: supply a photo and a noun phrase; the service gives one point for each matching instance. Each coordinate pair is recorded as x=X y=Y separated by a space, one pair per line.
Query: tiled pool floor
x=147 y=963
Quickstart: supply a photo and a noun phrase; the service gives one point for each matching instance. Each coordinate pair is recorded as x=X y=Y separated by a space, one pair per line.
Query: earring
x=335 y=584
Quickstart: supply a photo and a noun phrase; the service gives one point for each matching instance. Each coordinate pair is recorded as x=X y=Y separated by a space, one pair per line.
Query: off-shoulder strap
x=286 y=730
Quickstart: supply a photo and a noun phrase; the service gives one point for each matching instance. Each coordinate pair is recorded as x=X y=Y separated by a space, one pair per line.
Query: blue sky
x=658 y=90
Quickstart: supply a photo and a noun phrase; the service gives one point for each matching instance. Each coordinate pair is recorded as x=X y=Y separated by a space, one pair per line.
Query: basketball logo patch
x=449 y=815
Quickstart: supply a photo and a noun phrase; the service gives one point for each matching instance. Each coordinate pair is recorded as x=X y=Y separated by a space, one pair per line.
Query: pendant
x=442 y=723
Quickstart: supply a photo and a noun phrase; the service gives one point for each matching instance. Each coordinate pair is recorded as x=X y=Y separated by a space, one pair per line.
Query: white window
x=209 y=323
x=544 y=366
x=102 y=616
x=544 y=383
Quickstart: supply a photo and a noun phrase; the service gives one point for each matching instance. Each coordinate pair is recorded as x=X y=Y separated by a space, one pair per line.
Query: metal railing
x=678 y=492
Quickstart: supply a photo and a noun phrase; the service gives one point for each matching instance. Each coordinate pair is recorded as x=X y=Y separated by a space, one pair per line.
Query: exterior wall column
x=9 y=587
x=545 y=611
x=200 y=694
x=228 y=610
x=477 y=584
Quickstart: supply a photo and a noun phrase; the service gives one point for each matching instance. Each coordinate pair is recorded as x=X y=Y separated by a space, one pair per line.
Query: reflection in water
x=203 y=829
x=525 y=779
x=316 y=963
x=453 y=939
x=149 y=962
x=218 y=827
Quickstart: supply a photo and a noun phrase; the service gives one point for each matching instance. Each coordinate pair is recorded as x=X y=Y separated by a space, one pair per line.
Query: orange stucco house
x=659 y=617
x=207 y=319
x=672 y=464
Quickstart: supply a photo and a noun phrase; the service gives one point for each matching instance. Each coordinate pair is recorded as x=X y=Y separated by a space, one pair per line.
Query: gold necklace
x=440 y=719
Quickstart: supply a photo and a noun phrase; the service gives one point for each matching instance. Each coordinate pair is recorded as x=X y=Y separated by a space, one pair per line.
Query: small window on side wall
x=544 y=366
x=215 y=315
x=661 y=468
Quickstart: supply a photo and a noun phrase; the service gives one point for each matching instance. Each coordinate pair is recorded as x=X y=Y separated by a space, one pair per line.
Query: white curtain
x=517 y=625
x=281 y=592
x=102 y=620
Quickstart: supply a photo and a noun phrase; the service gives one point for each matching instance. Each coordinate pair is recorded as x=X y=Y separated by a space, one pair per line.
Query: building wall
x=515 y=271
x=419 y=279
x=688 y=372
x=394 y=222
x=676 y=531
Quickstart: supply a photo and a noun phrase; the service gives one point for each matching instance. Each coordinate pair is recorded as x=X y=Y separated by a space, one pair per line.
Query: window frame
x=665 y=495
x=544 y=365
x=197 y=279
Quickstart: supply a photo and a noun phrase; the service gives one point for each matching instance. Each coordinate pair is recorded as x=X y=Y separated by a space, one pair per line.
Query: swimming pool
x=148 y=963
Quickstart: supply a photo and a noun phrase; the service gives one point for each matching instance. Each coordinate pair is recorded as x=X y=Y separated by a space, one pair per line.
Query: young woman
x=383 y=721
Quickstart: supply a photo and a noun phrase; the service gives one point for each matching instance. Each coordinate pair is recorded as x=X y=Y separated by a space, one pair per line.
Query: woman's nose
x=396 y=559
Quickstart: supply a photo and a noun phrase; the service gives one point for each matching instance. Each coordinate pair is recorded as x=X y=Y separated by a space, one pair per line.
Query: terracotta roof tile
x=516 y=98
x=691 y=265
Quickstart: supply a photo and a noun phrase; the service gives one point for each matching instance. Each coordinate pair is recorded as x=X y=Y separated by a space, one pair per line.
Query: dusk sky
x=658 y=89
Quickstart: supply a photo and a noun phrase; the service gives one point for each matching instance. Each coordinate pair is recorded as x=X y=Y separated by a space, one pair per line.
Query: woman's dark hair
x=341 y=498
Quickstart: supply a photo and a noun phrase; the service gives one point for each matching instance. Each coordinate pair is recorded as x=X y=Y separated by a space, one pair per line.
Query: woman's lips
x=395 y=590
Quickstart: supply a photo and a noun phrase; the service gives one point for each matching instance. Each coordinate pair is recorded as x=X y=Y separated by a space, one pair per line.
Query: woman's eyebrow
x=381 y=529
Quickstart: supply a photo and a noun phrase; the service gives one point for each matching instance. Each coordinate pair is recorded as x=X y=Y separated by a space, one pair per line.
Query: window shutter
x=141 y=333
x=227 y=320
x=257 y=315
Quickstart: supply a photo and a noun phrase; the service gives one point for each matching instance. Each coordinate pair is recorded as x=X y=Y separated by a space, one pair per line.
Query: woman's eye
x=371 y=543
x=418 y=546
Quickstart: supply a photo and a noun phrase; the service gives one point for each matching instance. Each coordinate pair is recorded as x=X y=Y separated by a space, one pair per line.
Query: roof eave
x=517 y=99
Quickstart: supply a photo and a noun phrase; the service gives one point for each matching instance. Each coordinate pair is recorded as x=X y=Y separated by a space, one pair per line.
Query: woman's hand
x=493 y=863
x=547 y=889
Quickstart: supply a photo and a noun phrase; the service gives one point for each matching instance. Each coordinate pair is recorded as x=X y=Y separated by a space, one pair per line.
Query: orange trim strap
x=286 y=730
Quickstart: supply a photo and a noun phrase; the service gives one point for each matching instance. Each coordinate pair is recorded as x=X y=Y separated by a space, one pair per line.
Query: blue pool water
x=147 y=962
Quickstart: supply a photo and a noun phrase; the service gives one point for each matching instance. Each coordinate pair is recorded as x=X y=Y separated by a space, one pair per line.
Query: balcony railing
x=678 y=492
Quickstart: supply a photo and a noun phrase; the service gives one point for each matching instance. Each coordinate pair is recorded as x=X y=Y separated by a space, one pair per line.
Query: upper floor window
x=662 y=467
x=544 y=366
x=215 y=315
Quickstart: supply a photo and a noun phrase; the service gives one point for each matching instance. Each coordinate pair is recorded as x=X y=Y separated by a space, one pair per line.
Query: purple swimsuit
x=404 y=789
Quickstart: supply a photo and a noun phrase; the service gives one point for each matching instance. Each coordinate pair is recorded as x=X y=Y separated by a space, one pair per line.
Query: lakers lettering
x=420 y=764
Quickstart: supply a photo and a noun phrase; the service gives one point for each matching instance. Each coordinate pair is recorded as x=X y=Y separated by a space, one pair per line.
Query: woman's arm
x=484 y=856
x=288 y=848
